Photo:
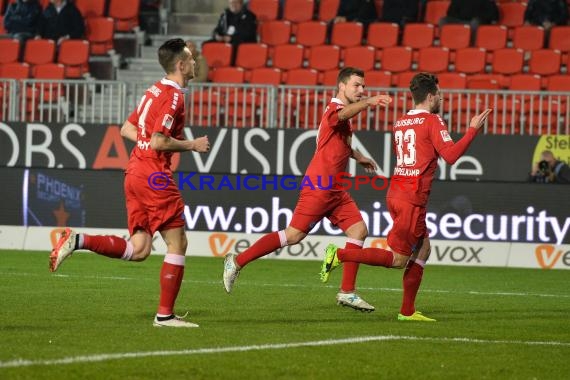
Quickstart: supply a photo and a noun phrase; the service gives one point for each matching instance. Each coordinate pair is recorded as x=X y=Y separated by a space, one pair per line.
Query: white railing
x=265 y=106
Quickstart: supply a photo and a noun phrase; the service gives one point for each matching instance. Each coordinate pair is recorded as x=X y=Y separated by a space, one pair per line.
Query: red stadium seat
x=508 y=61
x=560 y=40
x=396 y=59
x=470 y=60
x=311 y=33
x=524 y=82
x=287 y=57
x=251 y=55
x=15 y=70
x=218 y=54
x=91 y=8
x=558 y=83
x=324 y=57
x=378 y=78
x=545 y=62
x=328 y=10
x=74 y=55
x=125 y=13
x=49 y=71
x=298 y=10
x=382 y=35
x=452 y=80
x=435 y=10
x=2 y=30
x=491 y=37
x=275 y=32
x=39 y=51
x=418 y=36
x=264 y=10
x=100 y=33
x=511 y=14
x=528 y=37
x=10 y=49
x=229 y=75
x=433 y=59
x=361 y=57
x=266 y=75
x=301 y=77
x=484 y=82
x=347 y=34
x=455 y=36
x=329 y=77
x=403 y=79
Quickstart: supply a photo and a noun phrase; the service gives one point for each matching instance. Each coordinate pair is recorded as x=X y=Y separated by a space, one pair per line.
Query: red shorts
x=314 y=205
x=409 y=226
x=152 y=210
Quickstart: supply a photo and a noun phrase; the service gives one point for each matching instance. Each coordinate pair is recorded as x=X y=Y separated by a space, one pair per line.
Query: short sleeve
x=438 y=134
x=166 y=115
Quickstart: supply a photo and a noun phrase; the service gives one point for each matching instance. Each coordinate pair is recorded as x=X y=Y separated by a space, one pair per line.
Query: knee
x=360 y=232
x=294 y=236
x=141 y=253
x=400 y=261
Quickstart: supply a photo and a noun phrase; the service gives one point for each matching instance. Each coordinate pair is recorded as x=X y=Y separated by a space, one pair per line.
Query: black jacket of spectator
x=540 y=11
x=242 y=24
x=400 y=11
x=23 y=17
x=68 y=22
x=486 y=11
x=363 y=11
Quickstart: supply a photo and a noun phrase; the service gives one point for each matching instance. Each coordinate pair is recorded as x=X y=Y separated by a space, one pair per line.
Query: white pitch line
x=18 y=363
x=284 y=285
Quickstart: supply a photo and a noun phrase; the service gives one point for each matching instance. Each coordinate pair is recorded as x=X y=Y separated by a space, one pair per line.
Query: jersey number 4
x=405 y=147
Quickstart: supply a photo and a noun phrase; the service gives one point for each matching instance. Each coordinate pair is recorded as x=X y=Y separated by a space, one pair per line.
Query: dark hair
x=421 y=85
x=345 y=74
x=170 y=52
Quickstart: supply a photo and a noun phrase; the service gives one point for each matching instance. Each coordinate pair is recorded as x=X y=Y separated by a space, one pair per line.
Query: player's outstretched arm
x=352 y=109
x=129 y=131
x=160 y=142
x=451 y=153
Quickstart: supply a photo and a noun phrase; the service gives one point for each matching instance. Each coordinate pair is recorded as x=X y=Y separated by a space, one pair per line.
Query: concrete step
x=201 y=24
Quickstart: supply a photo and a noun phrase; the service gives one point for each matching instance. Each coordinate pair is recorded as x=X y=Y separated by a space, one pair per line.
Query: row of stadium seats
x=397 y=59
x=379 y=78
x=123 y=13
x=73 y=55
x=382 y=35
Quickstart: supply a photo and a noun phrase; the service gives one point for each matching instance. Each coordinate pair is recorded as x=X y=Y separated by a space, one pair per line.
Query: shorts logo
x=167 y=121
x=220 y=244
x=546 y=256
x=445 y=136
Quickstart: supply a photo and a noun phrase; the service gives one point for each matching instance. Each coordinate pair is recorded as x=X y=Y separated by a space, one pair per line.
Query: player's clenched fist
x=382 y=100
x=201 y=144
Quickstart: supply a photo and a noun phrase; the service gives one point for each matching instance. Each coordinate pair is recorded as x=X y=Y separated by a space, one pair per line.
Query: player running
x=419 y=138
x=153 y=200
x=328 y=200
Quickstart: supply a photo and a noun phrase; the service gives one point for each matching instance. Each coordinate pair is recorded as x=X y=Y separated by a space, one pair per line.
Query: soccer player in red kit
x=419 y=138
x=326 y=199
x=154 y=202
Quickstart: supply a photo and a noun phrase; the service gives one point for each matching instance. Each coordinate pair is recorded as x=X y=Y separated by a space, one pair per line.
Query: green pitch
x=93 y=319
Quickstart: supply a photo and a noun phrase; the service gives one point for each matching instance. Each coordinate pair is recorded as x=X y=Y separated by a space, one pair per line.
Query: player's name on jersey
x=406 y=172
x=407 y=122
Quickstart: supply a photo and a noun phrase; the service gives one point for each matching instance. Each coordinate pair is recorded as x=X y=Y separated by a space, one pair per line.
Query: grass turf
x=94 y=307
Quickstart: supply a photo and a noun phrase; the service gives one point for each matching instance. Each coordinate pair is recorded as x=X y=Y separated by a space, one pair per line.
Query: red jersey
x=333 y=148
x=161 y=109
x=419 y=138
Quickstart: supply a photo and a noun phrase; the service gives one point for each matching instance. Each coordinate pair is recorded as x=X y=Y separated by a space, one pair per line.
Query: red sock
x=350 y=268
x=170 y=279
x=411 y=284
x=265 y=245
x=106 y=245
x=370 y=256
